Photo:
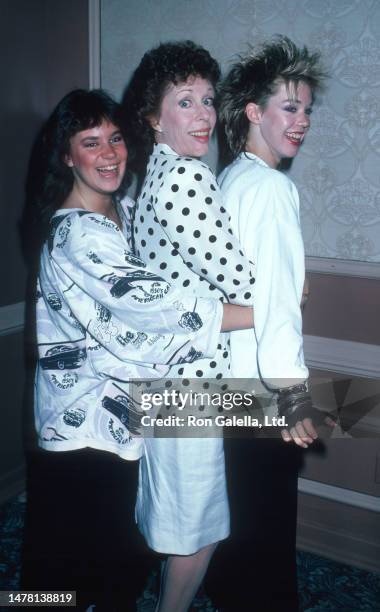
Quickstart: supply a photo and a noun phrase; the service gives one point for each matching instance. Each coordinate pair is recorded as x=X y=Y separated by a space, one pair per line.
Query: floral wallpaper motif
x=338 y=169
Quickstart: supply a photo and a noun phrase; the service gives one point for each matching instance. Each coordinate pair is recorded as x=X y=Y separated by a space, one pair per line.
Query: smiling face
x=277 y=131
x=187 y=117
x=98 y=159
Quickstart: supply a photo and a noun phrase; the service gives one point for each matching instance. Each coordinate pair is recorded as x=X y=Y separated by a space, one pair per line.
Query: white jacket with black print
x=102 y=319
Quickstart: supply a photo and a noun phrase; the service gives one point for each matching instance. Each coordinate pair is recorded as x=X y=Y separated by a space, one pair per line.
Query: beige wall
x=337 y=170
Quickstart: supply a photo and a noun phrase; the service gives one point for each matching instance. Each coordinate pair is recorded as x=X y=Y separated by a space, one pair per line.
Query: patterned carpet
x=324 y=585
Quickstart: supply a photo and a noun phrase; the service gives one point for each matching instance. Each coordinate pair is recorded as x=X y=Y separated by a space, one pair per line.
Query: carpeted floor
x=324 y=585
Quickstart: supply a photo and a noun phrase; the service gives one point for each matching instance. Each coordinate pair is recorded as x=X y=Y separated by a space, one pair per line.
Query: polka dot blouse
x=182 y=230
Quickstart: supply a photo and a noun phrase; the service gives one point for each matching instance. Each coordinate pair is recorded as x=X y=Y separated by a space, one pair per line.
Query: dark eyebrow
x=95 y=138
x=190 y=89
x=90 y=138
x=295 y=101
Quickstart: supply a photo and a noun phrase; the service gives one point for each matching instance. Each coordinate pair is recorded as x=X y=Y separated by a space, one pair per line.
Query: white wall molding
x=12 y=318
x=355 y=358
x=94 y=43
x=343 y=267
x=338 y=494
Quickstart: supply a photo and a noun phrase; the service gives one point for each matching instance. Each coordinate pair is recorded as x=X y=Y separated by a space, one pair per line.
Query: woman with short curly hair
x=168 y=64
x=182 y=229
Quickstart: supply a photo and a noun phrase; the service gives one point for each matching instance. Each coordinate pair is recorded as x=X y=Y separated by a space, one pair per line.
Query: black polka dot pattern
x=184 y=235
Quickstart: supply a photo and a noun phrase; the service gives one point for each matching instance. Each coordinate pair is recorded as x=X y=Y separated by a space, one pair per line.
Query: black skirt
x=80 y=533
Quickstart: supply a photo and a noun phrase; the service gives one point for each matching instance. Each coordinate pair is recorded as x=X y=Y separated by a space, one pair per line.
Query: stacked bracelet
x=295 y=404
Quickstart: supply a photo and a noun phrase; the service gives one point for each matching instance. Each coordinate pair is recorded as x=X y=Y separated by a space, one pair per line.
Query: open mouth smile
x=203 y=135
x=108 y=170
x=295 y=138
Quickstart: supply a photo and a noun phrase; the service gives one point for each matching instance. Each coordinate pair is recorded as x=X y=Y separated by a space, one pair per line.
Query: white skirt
x=182 y=501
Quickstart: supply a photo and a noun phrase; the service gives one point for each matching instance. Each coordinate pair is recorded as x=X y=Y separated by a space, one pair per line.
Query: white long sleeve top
x=264 y=208
x=104 y=318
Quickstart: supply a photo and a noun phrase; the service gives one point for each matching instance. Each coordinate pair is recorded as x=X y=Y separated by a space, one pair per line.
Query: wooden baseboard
x=341 y=532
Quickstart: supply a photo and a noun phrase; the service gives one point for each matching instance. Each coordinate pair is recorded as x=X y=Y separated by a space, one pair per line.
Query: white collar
x=247 y=155
x=164 y=149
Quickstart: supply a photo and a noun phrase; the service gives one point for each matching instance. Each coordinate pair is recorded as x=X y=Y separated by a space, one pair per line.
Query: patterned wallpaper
x=338 y=170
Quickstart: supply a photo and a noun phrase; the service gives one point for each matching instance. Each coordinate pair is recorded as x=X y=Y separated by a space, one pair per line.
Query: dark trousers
x=80 y=532
x=255 y=568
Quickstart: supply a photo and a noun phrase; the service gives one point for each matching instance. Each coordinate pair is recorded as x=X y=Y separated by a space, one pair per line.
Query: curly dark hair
x=79 y=110
x=256 y=77
x=169 y=63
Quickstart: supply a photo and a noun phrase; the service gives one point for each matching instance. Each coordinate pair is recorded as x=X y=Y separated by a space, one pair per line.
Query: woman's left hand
x=303 y=433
